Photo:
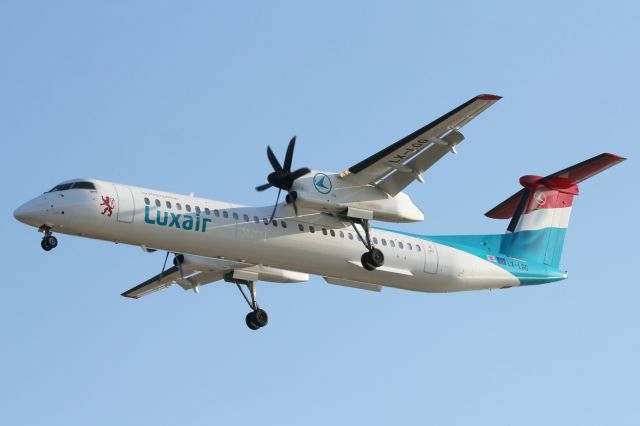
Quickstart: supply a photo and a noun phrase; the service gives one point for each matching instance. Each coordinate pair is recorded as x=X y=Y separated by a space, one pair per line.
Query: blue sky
x=185 y=96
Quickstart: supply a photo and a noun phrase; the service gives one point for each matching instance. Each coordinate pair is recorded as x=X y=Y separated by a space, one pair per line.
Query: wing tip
x=615 y=156
x=129 y=295
x=489 y=97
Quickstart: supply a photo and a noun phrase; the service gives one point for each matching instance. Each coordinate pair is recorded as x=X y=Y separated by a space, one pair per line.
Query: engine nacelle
x=388 y=209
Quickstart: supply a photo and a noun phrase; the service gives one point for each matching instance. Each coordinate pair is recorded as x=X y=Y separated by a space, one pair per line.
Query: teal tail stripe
x=532 y=247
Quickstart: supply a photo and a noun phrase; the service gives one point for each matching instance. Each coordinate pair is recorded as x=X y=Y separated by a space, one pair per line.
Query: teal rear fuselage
x=505 y=250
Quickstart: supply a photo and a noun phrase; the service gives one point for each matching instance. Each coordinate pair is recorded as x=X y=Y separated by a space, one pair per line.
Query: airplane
x=323 y=227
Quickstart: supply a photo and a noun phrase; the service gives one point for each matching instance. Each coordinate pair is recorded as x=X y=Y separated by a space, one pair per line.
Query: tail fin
x=540 y=211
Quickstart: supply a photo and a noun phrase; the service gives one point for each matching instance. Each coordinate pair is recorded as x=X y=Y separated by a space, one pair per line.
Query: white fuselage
x=312 y=243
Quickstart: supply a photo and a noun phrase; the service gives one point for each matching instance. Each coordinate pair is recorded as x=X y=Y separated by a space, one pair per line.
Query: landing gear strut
x=49 y=242
x=257 y=318
x=373 y=258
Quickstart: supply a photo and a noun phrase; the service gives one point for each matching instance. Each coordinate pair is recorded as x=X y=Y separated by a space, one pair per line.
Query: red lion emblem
x=108 y=204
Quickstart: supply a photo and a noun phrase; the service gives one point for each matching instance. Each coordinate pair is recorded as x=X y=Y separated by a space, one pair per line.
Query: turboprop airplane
x=323 y=225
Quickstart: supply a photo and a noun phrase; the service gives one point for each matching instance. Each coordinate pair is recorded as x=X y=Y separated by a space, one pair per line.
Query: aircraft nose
x=21 y=213
x=28 y=213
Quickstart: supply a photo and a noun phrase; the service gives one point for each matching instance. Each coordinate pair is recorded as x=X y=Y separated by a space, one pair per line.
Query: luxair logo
x=176 y=220
x=540 y=198
x=322 y=183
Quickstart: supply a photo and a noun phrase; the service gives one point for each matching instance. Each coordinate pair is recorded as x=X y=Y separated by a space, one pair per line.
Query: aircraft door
x=430 y=257
x=125 y=203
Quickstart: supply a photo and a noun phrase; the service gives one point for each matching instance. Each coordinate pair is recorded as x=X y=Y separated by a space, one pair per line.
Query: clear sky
x=185 y=96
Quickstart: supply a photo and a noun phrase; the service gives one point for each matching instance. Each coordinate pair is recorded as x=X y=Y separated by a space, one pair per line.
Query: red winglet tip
x=619 y=157
x=488 y=97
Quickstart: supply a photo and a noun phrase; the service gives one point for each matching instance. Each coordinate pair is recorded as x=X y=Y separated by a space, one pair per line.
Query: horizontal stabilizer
x=564 y=180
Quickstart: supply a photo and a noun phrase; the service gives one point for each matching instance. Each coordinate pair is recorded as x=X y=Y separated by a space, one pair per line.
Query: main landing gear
x=257 y=318
x=49 y=242
x=373 y=258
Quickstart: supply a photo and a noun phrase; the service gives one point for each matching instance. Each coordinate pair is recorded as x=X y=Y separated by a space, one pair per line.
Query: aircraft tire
x=376 y=257
x=366 y=261
x=260 y=317
x=44 y=245
x=250 y=323
x=51 y=241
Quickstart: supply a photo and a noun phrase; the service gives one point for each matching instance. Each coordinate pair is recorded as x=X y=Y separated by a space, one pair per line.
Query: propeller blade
x=299 y=173
x=522 y=204
x=293 y=201
x=289 y=156
x=273 y=160
x=275 y=206
x=263 y=187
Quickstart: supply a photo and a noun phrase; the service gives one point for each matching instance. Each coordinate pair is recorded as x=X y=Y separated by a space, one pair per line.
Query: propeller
x=282 y=177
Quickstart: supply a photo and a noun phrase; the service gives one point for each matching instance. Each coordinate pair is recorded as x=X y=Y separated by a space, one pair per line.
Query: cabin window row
x=215 y=212
x=391 y=243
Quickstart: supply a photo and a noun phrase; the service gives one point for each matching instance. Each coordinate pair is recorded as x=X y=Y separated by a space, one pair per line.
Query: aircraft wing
x=399 y=164
x=188 y=280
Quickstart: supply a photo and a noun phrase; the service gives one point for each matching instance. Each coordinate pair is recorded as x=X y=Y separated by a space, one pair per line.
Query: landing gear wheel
x=376 y=257
x=257 y=319
x=366 y=262
x=260 y=317
x=44 y=245
x=249 y=320
x=49 y=242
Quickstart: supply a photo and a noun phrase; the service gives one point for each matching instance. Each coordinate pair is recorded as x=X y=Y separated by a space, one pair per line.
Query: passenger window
x=392 y=243
x=312 y=229
x=332 y=232
x=188 y=207
x=400 y=245
x=341 y=234
x=178 y=206
x=300 y=227
x=409 y=246
x=197 y=209
x=265 y=220
x=256 y=219
x=350 y=236
x=168 y=204
x=235 y=215
x=384 y=242
x=324 y=231
x=146 y=201
x=418 y=248
x=207 y=211
x=216 y=213
x=246 y=218
x=225 y=214
x=283 y=223
x=157 y=203
x=275 y=223
x=375 y=240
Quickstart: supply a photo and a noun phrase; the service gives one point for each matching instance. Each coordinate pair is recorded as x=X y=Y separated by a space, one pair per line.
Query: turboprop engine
x=326 y=192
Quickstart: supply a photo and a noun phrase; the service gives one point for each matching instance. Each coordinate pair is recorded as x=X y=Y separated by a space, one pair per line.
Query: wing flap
x=353 y=284
x=169 y=277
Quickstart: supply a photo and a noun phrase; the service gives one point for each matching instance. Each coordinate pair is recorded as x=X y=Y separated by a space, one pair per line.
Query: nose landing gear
x=49 y=242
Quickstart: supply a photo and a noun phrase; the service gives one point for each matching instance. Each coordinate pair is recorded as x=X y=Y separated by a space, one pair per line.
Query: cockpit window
x=83 y=185
x=61 y=187
x=73 y=185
